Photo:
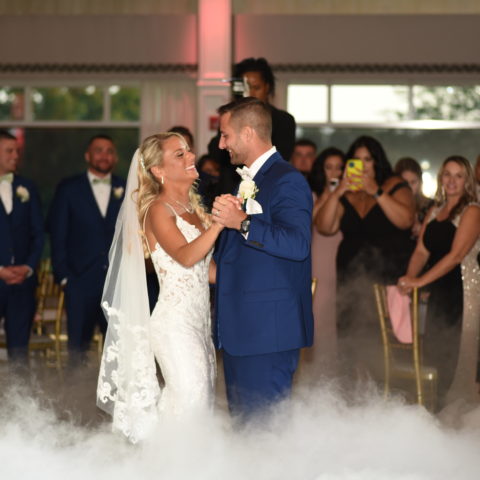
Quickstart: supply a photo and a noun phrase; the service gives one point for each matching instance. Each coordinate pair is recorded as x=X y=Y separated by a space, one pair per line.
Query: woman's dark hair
x=383 y=169
x=408 y=164
x=317 y=178
x=259 y=65
x=206 y=158
x=185 y=133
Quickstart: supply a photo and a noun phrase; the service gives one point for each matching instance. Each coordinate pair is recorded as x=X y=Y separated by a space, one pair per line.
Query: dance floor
x=51 y=428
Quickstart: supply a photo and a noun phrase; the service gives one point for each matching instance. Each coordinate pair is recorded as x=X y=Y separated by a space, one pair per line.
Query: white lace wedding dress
x=180 y=331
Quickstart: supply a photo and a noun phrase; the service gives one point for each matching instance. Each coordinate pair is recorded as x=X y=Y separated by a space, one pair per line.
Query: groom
x=263 y=296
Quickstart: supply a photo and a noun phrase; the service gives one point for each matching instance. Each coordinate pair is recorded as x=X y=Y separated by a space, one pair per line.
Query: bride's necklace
x=188 y=207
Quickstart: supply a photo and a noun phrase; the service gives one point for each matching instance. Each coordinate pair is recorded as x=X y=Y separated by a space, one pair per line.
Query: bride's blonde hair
x=151 y=154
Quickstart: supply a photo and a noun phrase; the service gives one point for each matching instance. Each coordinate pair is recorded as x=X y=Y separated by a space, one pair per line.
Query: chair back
x=392 y=346
x=47 y=330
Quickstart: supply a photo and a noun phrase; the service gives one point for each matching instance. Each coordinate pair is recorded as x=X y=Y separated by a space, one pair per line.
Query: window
x=426 y=122
x=70 y=104
x=308 y=103
x=54 y=123
x=368 y=103
x=11 y=103
x=67 y=103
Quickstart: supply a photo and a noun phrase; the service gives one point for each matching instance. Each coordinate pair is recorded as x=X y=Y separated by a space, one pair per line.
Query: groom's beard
x=237 y=158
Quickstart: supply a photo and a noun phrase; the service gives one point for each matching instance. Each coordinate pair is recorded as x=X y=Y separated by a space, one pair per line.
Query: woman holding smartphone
x=374 y=211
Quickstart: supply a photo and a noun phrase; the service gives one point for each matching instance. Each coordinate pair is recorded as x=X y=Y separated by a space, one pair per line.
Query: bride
x=161 y=217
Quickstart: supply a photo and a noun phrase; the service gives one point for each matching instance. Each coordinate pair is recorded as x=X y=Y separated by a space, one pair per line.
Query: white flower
x=23 y=194
x=118 y=192
x=247 y=189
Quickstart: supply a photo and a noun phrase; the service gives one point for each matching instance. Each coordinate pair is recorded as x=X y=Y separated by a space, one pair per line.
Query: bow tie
x=100 y=181
x=7 y=178
x=245 y=173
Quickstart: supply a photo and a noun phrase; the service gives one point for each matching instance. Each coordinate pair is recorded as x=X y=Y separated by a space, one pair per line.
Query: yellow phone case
x=355 y=167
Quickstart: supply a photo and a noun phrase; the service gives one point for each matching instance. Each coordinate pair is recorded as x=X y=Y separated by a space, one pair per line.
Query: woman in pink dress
x=320 y=360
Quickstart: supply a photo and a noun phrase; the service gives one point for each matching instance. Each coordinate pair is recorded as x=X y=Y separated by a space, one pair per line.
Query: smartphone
x=333 y=184
x=353 y=170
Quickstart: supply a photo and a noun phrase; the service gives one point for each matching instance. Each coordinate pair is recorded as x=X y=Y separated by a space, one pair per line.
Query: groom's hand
x=227 y=210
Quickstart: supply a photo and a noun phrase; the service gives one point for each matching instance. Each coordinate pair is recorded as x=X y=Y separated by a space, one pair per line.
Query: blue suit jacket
x=263 y=291
x=22 y=232
x=80 y=235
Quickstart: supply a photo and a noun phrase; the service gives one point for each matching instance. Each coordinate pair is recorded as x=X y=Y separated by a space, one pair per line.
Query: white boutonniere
x=247 y=191
x=118 y=192
x=23 y=194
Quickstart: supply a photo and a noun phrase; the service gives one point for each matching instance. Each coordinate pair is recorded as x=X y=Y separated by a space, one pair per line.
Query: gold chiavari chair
x=47 y=327
x=404 y=361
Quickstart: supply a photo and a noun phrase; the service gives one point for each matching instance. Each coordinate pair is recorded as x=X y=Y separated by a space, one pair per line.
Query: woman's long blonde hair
x=151 y=154
x=469 y=195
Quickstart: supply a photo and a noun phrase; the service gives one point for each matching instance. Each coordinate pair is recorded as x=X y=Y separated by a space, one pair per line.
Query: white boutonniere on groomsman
x=23 y=194
x=118 y=192
x=247 y=191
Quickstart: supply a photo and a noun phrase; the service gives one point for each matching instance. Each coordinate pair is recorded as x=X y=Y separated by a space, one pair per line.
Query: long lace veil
x=127 y=387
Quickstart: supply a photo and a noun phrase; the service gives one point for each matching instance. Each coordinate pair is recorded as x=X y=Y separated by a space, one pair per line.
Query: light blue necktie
x=99 y=181
x=7 y=178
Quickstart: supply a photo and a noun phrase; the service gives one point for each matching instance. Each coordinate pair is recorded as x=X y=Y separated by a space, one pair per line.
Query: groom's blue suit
x=263 y=292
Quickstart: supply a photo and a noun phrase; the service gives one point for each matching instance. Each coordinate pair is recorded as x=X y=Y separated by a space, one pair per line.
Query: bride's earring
x=162 y=180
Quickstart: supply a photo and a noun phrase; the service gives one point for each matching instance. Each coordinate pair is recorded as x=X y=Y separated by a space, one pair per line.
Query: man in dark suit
x=263 y=288
x=81 y=223
x=21 y=244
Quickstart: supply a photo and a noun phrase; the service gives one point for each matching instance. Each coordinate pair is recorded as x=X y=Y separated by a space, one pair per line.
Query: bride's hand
x=216 y=225
x=227 y=210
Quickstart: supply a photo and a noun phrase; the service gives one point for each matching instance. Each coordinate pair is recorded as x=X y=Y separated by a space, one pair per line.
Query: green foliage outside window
x=67 y=103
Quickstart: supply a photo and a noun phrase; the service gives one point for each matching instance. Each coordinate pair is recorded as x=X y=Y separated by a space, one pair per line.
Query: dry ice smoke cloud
x=319 y=436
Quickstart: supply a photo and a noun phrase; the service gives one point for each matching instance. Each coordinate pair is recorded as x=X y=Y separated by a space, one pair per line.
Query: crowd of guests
x=377 y=227
x=369 y=226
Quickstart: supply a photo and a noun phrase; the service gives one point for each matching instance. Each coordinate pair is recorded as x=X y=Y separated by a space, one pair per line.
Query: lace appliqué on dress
x=132 y=403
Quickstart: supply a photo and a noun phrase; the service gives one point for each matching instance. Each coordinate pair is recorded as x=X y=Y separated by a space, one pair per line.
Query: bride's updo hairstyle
x=149 y=187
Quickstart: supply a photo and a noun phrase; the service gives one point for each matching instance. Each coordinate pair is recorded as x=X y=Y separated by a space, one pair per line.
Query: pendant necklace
x=188 y=208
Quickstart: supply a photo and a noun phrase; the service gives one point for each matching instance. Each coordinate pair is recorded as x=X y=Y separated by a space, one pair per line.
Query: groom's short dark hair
x=249 y=111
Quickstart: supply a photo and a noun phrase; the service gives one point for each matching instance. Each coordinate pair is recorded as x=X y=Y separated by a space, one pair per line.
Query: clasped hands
x=14 y=274
x=227 y=211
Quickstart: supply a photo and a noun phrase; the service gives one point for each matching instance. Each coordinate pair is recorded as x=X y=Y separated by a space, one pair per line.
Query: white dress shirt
x=6 y=195
x=256 y=166
x=101 y=191
x=258 y=163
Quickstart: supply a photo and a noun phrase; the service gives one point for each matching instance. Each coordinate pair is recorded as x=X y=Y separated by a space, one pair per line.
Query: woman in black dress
x=448 y=247
x=375 y=221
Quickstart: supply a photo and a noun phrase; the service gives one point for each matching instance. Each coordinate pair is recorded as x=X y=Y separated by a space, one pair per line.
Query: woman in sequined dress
x=448 y=246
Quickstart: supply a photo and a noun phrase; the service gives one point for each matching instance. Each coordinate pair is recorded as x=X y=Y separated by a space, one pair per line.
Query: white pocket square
x=253 y=207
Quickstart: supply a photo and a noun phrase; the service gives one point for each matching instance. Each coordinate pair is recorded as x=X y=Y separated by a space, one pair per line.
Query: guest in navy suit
x=263 y=292
x=81 y=223
x=21 y=244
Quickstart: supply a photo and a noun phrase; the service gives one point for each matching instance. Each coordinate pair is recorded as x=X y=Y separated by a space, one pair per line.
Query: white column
x=214 y=65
